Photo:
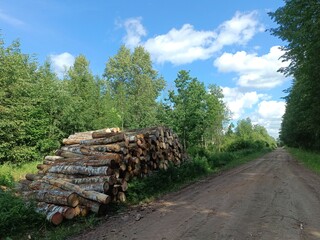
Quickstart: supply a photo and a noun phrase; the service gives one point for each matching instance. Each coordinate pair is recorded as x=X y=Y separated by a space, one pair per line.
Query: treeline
x=38 y=109
x=299 y=26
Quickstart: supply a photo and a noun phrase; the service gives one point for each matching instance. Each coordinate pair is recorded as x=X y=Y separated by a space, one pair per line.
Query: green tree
x=23 y=123
x=299 y=26
x=85 y=99
x=189 y=106
x=135 y=87
x=216 y=117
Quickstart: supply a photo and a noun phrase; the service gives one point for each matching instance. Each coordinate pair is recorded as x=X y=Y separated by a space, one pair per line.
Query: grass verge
x=310 y=159
x=140 y=190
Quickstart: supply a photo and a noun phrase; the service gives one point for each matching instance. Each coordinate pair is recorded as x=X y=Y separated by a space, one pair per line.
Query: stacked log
x=93 y=168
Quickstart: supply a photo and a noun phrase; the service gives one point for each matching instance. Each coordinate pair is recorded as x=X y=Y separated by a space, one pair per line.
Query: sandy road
x=270 y=198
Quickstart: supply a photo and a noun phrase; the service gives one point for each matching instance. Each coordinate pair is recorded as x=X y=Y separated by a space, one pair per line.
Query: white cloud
x=253 y=70
x=134 y=32
x=61 y=63
x=238 y=101
x=180 y=46
x=269 y=114
x=185 y=45
x=257 y=107
x=10 y=19
x=239 y=30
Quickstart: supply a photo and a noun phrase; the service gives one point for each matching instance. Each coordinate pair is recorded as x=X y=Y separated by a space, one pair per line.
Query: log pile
x=93 y=168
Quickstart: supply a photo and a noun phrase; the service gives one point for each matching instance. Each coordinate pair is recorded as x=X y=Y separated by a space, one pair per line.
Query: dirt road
x=270 y=198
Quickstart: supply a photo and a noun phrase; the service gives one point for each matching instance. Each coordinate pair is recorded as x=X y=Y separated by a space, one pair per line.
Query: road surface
x=273 y=197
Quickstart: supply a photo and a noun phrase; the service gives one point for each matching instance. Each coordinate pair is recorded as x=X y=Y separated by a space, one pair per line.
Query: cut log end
x=55 y=218
x=73 y=200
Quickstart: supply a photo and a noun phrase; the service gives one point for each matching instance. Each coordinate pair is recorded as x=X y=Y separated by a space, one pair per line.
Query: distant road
x=270 y=198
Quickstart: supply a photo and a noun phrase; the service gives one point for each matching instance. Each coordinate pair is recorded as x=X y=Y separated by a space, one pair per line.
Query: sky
x=226 y=43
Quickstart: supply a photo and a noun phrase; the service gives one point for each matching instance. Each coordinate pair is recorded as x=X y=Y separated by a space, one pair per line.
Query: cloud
x=134 y=32
x=269 y=114
x=61 y=63
x=10 y=19
x=238 y=101
x=239 y=30
x=253 y=70
x=185 y=45
x=257 y=107
x=180 y=46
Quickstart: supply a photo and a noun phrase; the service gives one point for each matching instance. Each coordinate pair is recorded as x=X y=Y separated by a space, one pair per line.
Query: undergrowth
x=310 y=159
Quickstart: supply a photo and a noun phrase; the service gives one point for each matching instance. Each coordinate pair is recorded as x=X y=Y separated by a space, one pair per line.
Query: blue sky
x=220 y=42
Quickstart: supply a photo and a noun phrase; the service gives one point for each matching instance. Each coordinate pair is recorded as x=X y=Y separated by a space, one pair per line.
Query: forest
x=38 y=109
x=299 y=27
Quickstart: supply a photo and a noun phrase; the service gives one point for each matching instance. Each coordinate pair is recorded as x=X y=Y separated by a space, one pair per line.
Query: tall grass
x=310 y=159
x=18 y=172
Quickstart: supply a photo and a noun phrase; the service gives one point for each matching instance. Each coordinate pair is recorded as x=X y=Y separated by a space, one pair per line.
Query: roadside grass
x=310 y=159
x=21 y=222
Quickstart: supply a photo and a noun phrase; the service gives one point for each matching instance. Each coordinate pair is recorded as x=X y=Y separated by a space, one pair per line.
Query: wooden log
x=52 y=215
x=59 y=197
x=122 y=184
x=33 y=177
x=43 y=167
x=93 y=163
x=93 y=206
x=121 y=196
x=23 y=185
x=67 y=212
x=53 y=158
x=96 y=179
x=40 y=184
x=95 y=196
x=103 y=149
x=120 y=137
x=101 y=187
x=87 y=159
x=73 y=148
x=68 y=154
x=67 y=141
x=103 y=134
x=84 y=170
x=84 y=211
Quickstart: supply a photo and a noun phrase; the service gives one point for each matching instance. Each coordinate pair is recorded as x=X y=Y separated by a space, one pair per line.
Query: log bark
x=59 y=197
x=53 y=216
x=53 y=158
x=120 y=137
x=98 y=208
x=83 y=170
x=95 y=196
x=103 y=134
x=101 y=187
x=67 y=212
x=90 y=180
x=33 y=177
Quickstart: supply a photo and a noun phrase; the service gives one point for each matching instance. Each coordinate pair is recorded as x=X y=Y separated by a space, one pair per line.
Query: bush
x=17 y=216
x=6 y=180
x=165 y=181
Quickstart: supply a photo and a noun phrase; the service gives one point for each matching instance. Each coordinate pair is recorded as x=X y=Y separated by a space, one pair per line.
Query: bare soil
x=273 y=197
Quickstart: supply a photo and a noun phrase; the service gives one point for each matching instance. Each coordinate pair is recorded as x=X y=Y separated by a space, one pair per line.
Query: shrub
x=16 y=215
